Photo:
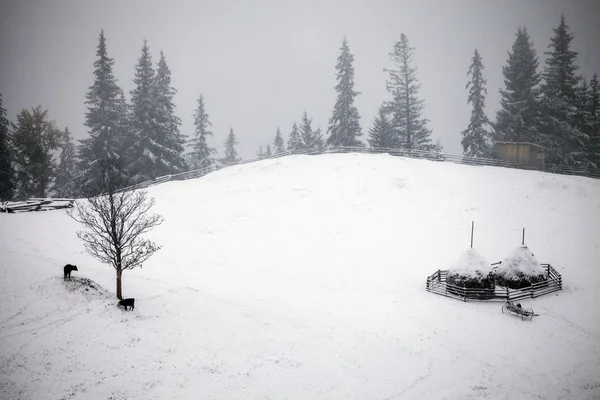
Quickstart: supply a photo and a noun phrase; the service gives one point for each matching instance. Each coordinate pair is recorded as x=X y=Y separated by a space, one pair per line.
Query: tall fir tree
x=476 y=139
x=311 y=139
x=560 y=98
x=231 y=155
x=295 y=140
x=202 y=154
x=382 y=133
x=34 y=137
x=64 y=185
x=517 y=120
x=344 y=127
x=278 y=145
x=406 y=107
x=7 y=183
x=170 y=138
x=593 y=110
x=261 y=151
x=268 y=152
x=104 y=119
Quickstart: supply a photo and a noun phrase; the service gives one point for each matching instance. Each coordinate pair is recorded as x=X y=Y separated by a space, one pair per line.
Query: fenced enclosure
x=36 y=204
x=437 y=283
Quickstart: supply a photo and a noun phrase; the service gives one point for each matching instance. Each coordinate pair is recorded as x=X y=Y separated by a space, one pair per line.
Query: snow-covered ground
x=304 y=278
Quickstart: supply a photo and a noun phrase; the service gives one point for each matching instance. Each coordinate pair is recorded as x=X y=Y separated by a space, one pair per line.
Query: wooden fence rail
x=437 y=283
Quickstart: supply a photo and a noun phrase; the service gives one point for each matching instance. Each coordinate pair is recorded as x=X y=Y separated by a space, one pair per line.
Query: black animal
x=68 y=269
x=127 y=303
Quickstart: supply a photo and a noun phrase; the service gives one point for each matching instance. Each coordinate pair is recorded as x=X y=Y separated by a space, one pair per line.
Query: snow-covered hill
x=304 y=278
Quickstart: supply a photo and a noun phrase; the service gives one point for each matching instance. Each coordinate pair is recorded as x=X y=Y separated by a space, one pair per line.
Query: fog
x=260 y=64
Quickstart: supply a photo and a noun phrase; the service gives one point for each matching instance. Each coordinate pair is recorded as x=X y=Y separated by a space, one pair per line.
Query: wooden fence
x=422 y=154
x=36 y=204
x=437 y=283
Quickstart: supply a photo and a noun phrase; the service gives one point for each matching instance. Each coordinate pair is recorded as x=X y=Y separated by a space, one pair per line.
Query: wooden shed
x=526 y=153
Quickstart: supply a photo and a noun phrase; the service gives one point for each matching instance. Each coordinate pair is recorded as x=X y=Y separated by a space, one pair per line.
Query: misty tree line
x=554 y=107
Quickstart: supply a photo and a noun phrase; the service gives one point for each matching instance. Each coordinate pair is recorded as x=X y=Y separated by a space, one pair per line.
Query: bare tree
x=115 y=220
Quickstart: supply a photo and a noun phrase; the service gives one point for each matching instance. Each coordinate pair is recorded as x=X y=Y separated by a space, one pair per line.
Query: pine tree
x=593 y=109
x=559 y=100
x=278 y=145
x=7 y=184
x=261 y=151
x=104 y=119
x=170 y=138
x=517 y=119
x=406 y=107
x=64 y=184
x=231 y=155
x=476 y=138
x=268 y=152
x=382 y=134
x=344 y=126
x=295 y=141
x=34 y=138
x=201 y=156
x=310 y=139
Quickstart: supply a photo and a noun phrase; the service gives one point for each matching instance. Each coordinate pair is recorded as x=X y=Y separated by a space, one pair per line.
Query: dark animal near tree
x=68 y=269
x=127 y=303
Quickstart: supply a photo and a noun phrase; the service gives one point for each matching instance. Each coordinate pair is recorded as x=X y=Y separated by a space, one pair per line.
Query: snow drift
x=304 y=277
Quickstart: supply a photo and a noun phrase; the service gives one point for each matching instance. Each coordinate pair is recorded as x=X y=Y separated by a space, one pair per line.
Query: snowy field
x=304 y=278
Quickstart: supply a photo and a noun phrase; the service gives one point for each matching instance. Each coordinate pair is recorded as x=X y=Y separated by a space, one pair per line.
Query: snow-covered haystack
x=520 y=270
x=474 y=272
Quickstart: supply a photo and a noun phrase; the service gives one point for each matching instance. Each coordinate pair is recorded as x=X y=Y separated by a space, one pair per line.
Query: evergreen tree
x=159 y=145
x=517 y=119
x=593 y=109
x=295 y=141
x=268 y=153
x=7 y=184
x=231 y=155
x=34 y=137
x=310 y=139
x=278 y=145
x=560 y=98
x=104 y=119
x=344 y=127
x=382 y=134
x=406 y=107
x=476 y=138
x=170 y=138
x=201 y=155
x=66 y=171
x=261 y=151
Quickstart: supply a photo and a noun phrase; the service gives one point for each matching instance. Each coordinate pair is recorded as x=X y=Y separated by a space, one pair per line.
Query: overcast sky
x=261 y=63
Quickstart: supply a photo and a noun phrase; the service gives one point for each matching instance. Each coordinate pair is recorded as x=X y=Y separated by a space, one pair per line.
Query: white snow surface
x=469 y=263
x=304 y=278
x=520 y=260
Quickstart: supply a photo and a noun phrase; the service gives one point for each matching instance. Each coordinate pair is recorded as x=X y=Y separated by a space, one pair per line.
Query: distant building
x=529 y=154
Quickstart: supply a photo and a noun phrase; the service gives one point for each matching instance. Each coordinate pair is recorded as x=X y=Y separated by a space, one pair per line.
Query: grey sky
x=261 y=63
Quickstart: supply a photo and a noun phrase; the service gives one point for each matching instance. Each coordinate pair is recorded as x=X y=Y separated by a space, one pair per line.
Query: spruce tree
x=344 y=127
x=278 y=145
x=7 y=183
x=295 y=141
x=268 y=152
x=406 y=107
x=476 y=138
x=104 y=119
x=310 y=139
x=382 y=134
x=517 y=119
x=34 y=138
x=64 y=184
x=231 y=155
x=560 y=98
x=261 y=151
x=170 y=138
x=201 y=156
x=593 y=110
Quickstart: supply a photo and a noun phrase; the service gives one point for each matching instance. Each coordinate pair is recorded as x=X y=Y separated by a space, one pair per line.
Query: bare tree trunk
x=119 y=294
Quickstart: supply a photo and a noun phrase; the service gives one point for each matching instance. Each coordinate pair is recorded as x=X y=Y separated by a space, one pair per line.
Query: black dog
x=127 y=303
x=68 y=269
